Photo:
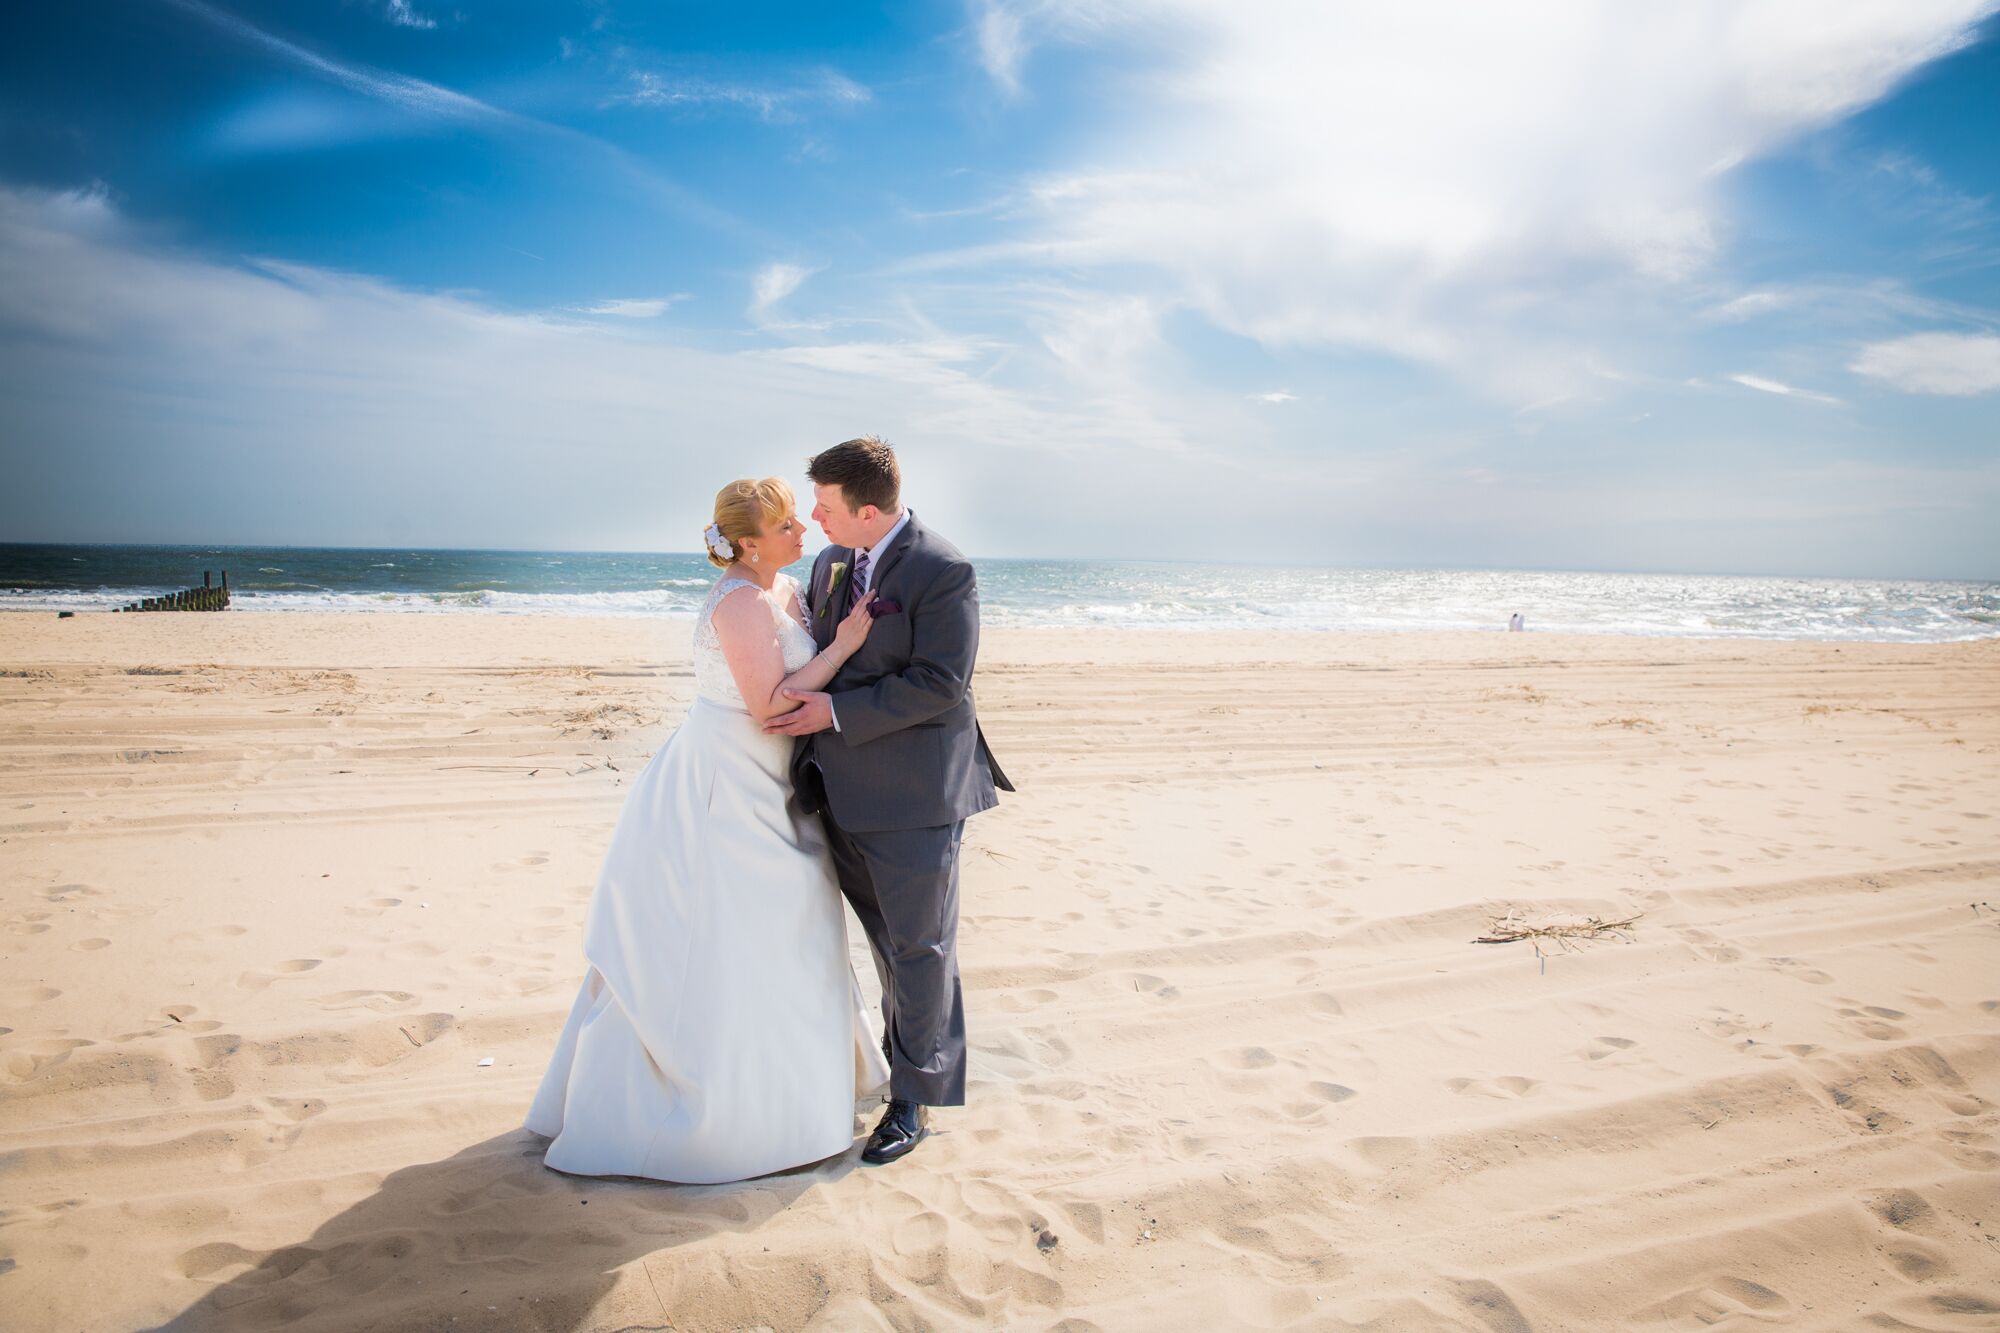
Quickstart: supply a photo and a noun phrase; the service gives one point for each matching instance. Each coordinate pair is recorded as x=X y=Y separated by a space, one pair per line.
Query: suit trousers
x=903 y=886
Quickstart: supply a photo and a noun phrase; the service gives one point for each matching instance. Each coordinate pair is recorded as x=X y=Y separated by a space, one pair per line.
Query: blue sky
x=1706 y=287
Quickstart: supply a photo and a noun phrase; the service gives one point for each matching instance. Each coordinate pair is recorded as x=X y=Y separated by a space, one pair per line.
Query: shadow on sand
x=486 y=1239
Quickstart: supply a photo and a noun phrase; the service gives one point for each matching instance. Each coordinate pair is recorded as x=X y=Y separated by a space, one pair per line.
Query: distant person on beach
x=1515 y=623
x=719 y=1032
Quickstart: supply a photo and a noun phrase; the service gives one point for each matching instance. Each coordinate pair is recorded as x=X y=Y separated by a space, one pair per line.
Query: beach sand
x=275 y=886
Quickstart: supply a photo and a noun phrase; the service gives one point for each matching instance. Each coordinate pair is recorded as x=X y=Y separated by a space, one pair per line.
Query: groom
x=892 y=759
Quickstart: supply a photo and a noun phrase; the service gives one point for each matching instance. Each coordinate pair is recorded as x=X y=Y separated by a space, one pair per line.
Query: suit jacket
x=909 y=753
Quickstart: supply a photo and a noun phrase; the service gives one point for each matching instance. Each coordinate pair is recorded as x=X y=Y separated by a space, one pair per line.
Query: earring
x=753 y=557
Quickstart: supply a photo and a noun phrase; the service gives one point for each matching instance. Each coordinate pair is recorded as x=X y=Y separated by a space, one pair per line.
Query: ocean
x=1051 y=593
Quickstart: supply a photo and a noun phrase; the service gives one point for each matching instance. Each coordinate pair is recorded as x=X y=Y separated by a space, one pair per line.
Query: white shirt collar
x=883 y=545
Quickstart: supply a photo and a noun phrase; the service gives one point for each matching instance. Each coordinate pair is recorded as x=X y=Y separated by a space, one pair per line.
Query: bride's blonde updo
x=744 y=509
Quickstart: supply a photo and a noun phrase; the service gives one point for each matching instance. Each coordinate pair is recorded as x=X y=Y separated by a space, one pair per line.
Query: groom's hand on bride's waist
x=814 y=713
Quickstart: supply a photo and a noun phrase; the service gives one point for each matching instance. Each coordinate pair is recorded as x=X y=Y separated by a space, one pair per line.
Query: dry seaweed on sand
x=1564 y=930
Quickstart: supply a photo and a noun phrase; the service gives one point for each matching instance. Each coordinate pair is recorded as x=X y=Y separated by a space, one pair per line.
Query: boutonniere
x=834 y=578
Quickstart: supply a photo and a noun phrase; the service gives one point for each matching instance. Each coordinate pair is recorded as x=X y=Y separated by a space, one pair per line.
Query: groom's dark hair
x=864 y=469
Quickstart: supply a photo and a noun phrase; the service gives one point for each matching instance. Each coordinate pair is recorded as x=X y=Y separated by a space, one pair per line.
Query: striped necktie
x=858 y=581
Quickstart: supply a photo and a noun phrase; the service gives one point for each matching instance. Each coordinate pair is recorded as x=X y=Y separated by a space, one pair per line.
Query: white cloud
x=773 y=283
x=776 y=104
x=1763 y=385
x=1005 y=31
x=499 y=427
x=1955 y=364
x=648 y=307
x=1000 y=45
x=1495 y=190
x=1819 y=304
x=398 y=89
x=1750 y=305
x=403 y=16
x=432 y=101
x=1275 y=396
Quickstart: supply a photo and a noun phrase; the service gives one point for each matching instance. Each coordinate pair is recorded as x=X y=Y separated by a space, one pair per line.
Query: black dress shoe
x=903 y=1127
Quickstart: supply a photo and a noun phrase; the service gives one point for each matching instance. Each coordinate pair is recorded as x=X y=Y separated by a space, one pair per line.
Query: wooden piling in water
x=208 y=597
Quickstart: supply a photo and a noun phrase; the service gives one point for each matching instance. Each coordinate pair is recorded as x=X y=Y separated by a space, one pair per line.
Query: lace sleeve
x=713 y=679
x=704 y=620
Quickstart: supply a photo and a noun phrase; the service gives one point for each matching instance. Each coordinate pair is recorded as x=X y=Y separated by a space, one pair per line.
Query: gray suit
x=894 y=787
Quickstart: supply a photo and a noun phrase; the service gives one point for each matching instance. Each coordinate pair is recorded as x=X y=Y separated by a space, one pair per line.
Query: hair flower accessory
x=719 y=543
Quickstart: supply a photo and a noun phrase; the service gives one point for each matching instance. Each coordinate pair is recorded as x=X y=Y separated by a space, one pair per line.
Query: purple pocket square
x=882 y=606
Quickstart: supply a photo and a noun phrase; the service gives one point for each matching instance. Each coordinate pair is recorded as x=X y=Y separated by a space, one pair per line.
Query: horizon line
x=1037 y=559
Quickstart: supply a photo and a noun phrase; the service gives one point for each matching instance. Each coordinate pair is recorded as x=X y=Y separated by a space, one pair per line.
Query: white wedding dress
x=719 y=1034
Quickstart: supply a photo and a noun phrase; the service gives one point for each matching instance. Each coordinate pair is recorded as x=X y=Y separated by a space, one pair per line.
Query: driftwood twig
x=1513 y=928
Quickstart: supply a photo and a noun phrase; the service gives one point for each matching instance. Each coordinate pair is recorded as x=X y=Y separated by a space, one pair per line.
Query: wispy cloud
x=403 y=16
x=773 y=104
x=997 y=29
x=645 y=307
x=1858 y=302
x=433 y=100
x=1750 y=305
x=1004 y=32
x=398 y=89
x=1275 y=396
x=1954 y=364
x=1763 y=385
x=773 y=283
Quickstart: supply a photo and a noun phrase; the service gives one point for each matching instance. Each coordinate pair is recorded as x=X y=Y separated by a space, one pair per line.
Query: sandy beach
x=276 y=887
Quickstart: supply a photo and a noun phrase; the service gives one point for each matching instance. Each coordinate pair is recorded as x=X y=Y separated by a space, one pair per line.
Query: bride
x=719 y=1032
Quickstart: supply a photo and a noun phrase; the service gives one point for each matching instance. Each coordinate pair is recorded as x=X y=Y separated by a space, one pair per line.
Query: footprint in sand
x=291 y=967
x=1491 y=1306
x=1017 y=1002
x=1508 y=1086
x=1915 y=1260
x=91 y=945
x=1710 y=946
x=1724 y=1298
x=1848 y=1097
x=1913 y=951
x=63 y=893
x=1799 y=969
x=288 y=1110
x=32 y=1058
x=1905 y=1210
x=218 y=1262
x=1871 y=1022
x=187 y=938
x=380 y=1001
x=1603 y=1048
